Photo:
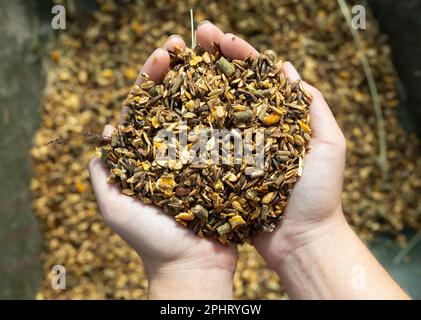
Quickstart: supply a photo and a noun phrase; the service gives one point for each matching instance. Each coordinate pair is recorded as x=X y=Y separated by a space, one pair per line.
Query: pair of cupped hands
x=180 y=264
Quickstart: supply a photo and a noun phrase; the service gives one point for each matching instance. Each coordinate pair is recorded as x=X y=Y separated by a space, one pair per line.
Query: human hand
x=170 y=263
x=314 y=207
x=179 y=264
x=315 y=251
x=315 y=203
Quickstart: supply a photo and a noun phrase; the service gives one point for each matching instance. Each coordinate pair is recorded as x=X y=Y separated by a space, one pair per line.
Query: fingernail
x=154 y=59
x=231 y=36
x=174 y=36
x=155 y=56
x=108 y=130
x=292 y=72
x=203 y=23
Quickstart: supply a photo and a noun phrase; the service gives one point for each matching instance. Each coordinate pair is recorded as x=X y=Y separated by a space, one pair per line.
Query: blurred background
x=55 y=82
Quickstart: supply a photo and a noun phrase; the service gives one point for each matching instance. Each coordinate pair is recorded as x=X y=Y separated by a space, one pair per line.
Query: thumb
x=98 y=173
x=324 y=127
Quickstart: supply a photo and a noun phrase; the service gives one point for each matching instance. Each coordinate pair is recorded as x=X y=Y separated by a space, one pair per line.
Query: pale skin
x=314 y=250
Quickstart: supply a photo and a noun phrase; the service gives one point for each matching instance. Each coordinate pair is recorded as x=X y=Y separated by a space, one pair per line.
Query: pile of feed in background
x=174 y=148
x=90 y=71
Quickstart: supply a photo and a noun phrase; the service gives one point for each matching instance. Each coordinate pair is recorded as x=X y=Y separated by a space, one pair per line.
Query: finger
x=208 y=34
x=234 y=47
x=231 y=45
x=98 y=173
x=126 y=216
x=290 y=72
x=323 y=123
x=108 y=130
x=173 y=42
x=156 y=66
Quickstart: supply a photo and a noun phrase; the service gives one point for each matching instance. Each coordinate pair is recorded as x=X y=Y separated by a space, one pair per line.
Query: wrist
x=294 y=235
x=185 y=282
x=315 y=243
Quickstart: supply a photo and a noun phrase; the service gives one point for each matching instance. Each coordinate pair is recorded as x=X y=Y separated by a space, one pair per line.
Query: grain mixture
x=211 y=100
x=91 y=69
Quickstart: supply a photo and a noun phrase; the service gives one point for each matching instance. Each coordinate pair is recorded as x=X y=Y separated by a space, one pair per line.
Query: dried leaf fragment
x=236 y=221
x=185 y=216
x=166 y=184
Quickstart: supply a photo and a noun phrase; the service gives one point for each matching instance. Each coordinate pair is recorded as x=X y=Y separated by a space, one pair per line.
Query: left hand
x=179 y=264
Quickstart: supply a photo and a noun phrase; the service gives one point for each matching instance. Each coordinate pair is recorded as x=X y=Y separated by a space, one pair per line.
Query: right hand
x=314 y=207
